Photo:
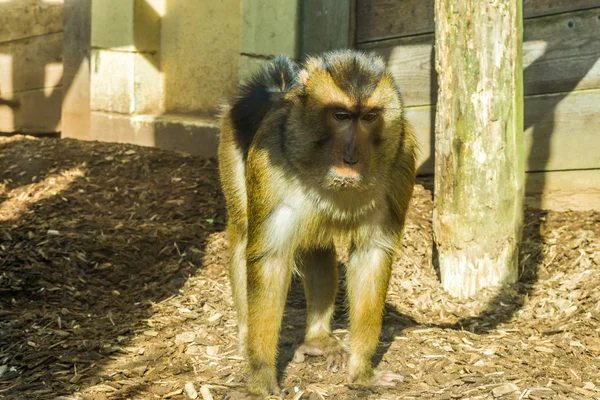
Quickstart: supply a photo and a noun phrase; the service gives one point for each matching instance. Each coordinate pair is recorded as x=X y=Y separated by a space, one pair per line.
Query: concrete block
x=191 y=135
x=38 y=111
x=148 y=21
x=124 y=82
x=76 y=104
x=112 y=81
x=113 y=24
x=148 y=85
x=126 y=25
x=200 y=48
x=31 y=63
x=26 y=18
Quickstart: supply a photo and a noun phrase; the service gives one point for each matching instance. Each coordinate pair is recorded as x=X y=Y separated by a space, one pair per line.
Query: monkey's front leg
x=368 y=276
x=268 y=282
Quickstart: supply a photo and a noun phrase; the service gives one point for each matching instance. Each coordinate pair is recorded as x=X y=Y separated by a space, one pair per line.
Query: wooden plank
x=557 y=190
x=411 y=62
x=31 y=63
x=384 y=19
x=554 y=181
x=536 y=8
x=562 y=132
x=563 y=190
x=327 y=25
x=422 y=120
x=268 y=28
x=38 y=112
x=560 y=53
x=25 y=18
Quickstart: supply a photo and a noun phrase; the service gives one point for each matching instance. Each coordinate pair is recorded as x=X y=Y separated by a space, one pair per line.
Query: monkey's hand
x=329 y=347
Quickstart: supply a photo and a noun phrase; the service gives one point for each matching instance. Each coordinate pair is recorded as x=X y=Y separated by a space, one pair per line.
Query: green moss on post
x=479 y=152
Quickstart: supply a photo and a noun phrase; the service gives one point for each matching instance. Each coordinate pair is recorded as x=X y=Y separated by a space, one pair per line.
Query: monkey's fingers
x=386 y=378
x=336 y=360
x=335 y=354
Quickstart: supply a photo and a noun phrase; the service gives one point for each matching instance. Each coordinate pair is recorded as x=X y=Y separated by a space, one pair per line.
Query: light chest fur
x=304 y=219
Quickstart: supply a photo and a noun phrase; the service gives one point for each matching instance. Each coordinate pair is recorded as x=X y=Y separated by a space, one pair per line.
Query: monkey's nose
x=351 y=161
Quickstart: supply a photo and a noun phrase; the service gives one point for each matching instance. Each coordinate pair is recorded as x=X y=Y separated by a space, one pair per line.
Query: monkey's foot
x=385 y=378
x=274 y=393
x=248 y=396
x=262 y=382
x=329 y=347
x=375 y=378
x=242 y=396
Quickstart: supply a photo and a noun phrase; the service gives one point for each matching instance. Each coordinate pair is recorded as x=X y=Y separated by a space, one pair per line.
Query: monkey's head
x=346 y=123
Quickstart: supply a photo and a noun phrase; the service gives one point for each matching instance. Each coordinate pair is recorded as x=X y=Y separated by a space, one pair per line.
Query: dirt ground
x=113 y=286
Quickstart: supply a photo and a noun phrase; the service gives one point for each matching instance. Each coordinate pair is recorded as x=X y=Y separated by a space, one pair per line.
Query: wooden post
x=479 y=155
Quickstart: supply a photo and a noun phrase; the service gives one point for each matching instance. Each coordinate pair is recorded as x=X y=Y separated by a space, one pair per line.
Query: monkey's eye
x=370 y=117
x=341 y=116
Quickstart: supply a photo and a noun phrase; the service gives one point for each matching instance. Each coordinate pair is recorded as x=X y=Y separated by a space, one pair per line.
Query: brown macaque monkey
x=308 y=154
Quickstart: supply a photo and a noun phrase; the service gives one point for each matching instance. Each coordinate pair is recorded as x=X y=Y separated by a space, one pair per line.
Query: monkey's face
x=346 y=123
x=353 y=136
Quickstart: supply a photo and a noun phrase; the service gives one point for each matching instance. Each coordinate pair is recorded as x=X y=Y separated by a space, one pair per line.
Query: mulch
x=113 y=285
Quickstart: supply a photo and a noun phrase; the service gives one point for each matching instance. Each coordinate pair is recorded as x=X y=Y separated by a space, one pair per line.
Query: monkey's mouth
x=345 y=176
x=346 y=182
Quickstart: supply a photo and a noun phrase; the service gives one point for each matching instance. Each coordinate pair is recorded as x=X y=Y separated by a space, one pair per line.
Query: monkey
x=307 y=154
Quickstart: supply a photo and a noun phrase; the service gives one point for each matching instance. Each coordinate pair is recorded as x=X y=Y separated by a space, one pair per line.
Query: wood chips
x=113 y=285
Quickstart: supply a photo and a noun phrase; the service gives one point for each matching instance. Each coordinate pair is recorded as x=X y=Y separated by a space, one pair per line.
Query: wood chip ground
x=113 y=285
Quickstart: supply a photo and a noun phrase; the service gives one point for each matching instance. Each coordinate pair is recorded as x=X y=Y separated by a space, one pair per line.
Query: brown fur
x=285 y=206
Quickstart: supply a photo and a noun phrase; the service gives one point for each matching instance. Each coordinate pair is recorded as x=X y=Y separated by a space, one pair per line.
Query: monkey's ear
x=303 y=76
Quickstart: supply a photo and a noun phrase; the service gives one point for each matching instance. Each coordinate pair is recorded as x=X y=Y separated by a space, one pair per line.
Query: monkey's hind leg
x=237 y=276
x=319 y=272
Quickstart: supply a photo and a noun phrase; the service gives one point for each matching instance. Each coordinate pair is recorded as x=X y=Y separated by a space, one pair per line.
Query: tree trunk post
x=479 y=150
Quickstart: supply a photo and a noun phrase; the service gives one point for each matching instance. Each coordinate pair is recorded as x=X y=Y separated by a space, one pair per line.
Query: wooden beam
x=560 y=53
x=479 y=158
x=385 y=19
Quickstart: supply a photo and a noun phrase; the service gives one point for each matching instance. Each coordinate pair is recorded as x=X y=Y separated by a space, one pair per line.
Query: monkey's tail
x=259 y=94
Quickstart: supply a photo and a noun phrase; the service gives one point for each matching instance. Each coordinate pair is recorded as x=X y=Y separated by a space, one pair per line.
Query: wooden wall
x=561 y=54
x=31 y=48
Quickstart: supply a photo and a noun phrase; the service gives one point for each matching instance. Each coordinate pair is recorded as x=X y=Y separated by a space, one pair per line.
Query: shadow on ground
x=91 y=236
